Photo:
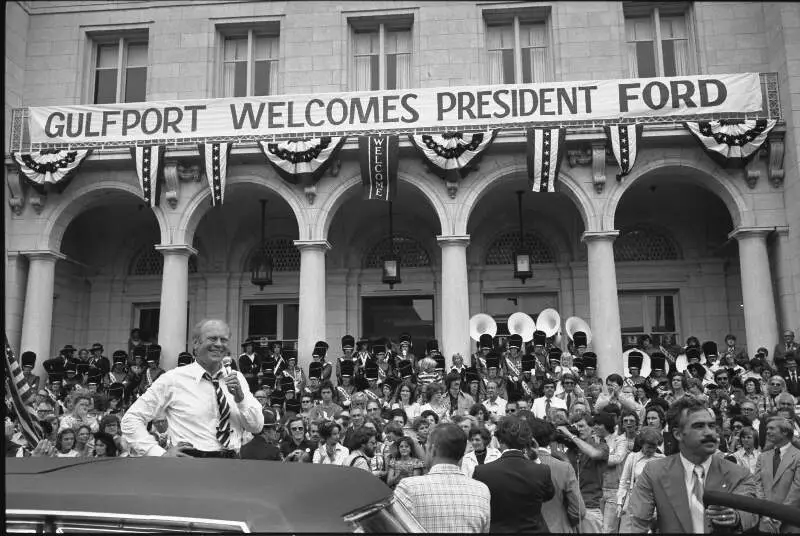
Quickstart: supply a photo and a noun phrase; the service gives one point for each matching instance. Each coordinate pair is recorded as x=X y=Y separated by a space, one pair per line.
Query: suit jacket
x=784 y=487
x=564 y=511
x=780 y=350
x=661 y=485
x=518 y=488
x=792 y=386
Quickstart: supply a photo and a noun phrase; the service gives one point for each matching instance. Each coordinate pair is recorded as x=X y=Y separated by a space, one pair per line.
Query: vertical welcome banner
x=378 y=156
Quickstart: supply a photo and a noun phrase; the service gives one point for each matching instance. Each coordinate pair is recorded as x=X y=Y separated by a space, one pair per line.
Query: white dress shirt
x=496 y=408
x=748 y=460
x=540 y=406
x=189 y=404
x=696 y=511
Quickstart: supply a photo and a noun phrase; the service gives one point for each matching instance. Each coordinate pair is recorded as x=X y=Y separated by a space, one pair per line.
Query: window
x=381 y=53
x=276 y=321
x=147 y=315
x=150 y=261
x=653 y=313
x=517 y=48
x=658 y=41
x=120 y=70
x=643 y=243
x=250 y=62
x=390 y=316
x=411 y=252
x=506 y=244
x=285 y=255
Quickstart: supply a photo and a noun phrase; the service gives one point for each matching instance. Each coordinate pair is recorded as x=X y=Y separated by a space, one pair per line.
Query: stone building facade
x=680 y=246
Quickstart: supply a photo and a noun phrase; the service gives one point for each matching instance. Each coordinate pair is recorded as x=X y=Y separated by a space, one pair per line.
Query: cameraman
x=296 y=448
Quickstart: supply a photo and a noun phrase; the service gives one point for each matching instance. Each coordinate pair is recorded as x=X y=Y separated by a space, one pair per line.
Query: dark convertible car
x=49 y=495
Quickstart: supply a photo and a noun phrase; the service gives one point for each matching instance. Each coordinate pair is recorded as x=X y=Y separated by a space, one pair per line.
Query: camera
x=561 y=437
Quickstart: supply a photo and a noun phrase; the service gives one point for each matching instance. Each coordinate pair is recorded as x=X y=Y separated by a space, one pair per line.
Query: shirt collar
x=195 y=371
x=784 y=448
x=688 y=466
x=445 y=468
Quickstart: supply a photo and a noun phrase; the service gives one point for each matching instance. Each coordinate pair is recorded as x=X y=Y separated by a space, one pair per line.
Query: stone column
x=37 y=319
x=603 y=302
x=781 y=262
x=312 y=306
x=455 y=297
x=760 y=321
x=172 y=319
x=16 y=281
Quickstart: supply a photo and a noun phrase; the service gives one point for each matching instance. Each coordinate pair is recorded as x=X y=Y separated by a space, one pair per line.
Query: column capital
x=322 y=245
x=596 y=236
x=453 y=240
x=176 y=249
x=750 y=232
x=43 y=254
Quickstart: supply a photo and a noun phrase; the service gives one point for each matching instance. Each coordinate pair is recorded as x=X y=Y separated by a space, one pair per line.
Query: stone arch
x=199 y=205
x=84 y=198
x=338 y=195
x=693 y=171
x=516 y=170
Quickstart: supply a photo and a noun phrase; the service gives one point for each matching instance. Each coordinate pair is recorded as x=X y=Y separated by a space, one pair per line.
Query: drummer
x=635 y=360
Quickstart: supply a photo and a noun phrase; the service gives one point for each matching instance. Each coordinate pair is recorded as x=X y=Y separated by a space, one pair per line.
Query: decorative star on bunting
x=215 y=161
x=545 y=147
x=147 y=160
x=731 y=143
x=624 y=142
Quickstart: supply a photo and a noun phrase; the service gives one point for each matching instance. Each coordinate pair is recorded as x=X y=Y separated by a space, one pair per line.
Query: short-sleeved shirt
x=590 y=473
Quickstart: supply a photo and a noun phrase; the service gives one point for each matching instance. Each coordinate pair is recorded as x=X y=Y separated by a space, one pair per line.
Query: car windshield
x=387 y=516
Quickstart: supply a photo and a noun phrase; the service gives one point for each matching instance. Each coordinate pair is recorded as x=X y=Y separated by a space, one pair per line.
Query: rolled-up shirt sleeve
x=146 y=408
x=250 y=416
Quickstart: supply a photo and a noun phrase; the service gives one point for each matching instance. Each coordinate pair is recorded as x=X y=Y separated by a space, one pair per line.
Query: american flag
x=544 y=157
x=731 y=143
x=21 y=399
x=624 y=141
x=215 y=160
x=148 y=163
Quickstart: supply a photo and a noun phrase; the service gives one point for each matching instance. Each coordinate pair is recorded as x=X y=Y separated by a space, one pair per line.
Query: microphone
x=226 y=364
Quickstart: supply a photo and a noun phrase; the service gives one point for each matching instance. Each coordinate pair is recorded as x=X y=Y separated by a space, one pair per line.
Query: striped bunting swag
x=731 y=143
x=21 y=396
x=215 y=161
x=624 y=141
x=148 y=164
x=545 y=147
x=453 y=155
x=53 y=167
x=302 y=161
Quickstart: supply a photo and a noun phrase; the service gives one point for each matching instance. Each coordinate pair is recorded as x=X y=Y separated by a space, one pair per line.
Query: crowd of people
x=610 y=445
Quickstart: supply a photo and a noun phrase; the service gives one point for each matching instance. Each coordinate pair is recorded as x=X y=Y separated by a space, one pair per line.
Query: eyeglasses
x=373 y=409
x=568 y=383
x=511 y=410
x=776 y=384
x=297 y=428
x=305 y=401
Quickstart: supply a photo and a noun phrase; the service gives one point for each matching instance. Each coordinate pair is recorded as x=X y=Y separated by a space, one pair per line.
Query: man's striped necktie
x=224 y=426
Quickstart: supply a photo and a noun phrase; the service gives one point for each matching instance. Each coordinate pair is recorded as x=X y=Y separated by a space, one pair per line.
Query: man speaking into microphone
x=207 y=405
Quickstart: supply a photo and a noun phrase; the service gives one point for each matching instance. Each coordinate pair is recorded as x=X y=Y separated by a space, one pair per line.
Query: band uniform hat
x=293 y=405
x=277 y=399
x=579 y=338
x=709 y=348
x=554 y=354
x=657 y=361
x=82 y=368
x=363 y=344
x=492 y=360
x=287 y=384
x=405 y=338
x=94 y=375
x=635 y=360
x=515 y=341
x=249 y=340
x=589 y=360
x=432 y=346
x=55 y=376
x=97 y=346
x=185 y=358
x=320 y=349
x=392 y=382
x=378 y=348
x=348 y=341
x=54 y=366
x=268 y=379
x=268 y=363
x=346 y=368
x=485 y=341
x=290 y=354
x=28 y=359
x=539 y=338
x=692 y=353
x=404 y=368
x=139 y=351
x=528 y=362
x=274 y=343
x=153 y=353
x=119 y=356
x=315 y=370
x=270 y=420
x=116 y=390
x=440 y=362
x=71 y=366
x=371 y=370
x=471 y=375
x=68 y=348
x=577 y=362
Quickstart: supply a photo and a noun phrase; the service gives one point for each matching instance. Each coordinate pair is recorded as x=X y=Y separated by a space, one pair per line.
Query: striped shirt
x=445 y=500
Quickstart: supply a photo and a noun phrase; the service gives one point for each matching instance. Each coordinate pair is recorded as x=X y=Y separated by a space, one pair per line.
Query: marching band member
x=277 y=355
x=28 y=360
x=318 y=355
x=314 y=381
x=635 y=360
x=589 y=360
x=493 y=375
x=371 y=373
x=657 y=369
x=478 y=360
x=405 y=370
x=250 y=363
x=381 y=359
x=346 y=389
x=348 y=344
x=293 y=371
x=434 y=353
x=405 y=349
x=153 y=371
x=539 y=350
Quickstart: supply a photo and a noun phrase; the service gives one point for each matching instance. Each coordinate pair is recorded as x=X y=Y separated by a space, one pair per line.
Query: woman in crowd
x=656 y=418
x=421 y=428
x=481 y=453
x=405 y=398
x=481 y=415
x=679 y=388
x=629 y=427
x=110 y=425
x=84 y=442
x=752 y=391
x=104 y=446
x=456 y=401
x=649 y=438
x=747 y=455
x=79 y=415
x=434 y=401
x=330 y=451
x=65 y=444
x=404 y=463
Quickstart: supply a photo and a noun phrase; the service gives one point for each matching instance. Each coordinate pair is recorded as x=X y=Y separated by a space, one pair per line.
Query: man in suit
x=674 y=485
x=564 y=511
x=778 y=472
x=791 y=376
x=519 y=487
x=789 y=345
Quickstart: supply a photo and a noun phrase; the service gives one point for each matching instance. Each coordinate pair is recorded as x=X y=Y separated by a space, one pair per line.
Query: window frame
x=122 y=39
x=644 y=294
x=280 y=319
x=267 y=27
x=518 y=17
x=395 y=22
x=654 y=13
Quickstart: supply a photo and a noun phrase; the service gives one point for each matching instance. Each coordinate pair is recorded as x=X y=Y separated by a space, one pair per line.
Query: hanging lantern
x=391 y=262
x=523 y=261
x=261 y=265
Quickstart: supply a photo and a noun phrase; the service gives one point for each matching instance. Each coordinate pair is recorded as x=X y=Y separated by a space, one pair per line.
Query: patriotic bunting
x=148 y=165
x=452 y=156
x=21 y=395
x=378 y=156
x=302 y=161
x=624 y=141
x=731 y=143
x=215 y=160
x=545 y=146
x=50 y=166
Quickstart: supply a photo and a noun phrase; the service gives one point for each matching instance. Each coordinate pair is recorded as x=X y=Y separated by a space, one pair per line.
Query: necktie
x=698 y=511
x=776 y=461
x=569 y=400
x=547 y=408
x=224 y=426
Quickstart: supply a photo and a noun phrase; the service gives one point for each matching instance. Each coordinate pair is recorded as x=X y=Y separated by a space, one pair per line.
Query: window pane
x=508 y=67
x=137 y=55
x=107 y=56
x=105 y=87
x=533 y=35
x=291 y=315
x=645 y=59
x=240 y=79
x=366 y=43
x=639 y=29
x=135 y=84
x=673 y=27
x=262 y=78
x=676 y=57
x=263 y=321
x=414 y=315
x=363 y=73
x=375 y=74
x=398 y=42
x=235 y=49
x=631 y=314
x=266 y=47
x=499 y=37
x=391 y=71
x=662 y=313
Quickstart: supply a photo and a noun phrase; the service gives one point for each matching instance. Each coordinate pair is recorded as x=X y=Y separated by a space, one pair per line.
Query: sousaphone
x=646 y=368
x=575 y=324
x=523 y=325
x=481 y=324
x=549 y=321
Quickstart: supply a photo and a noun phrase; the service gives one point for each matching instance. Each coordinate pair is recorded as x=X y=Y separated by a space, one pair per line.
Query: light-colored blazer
x=783 y=488
x=661 y=485
x=567 y=504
